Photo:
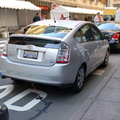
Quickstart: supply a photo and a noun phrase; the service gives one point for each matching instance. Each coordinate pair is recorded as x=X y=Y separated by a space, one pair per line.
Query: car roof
x=117 y=22
x=62 y=23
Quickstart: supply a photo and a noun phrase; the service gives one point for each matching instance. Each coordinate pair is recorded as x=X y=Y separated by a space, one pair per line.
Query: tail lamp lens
x=4 y=51
x=63 y=54
x=115 y=37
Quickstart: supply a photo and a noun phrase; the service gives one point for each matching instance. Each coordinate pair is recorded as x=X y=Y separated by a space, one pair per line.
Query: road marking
x=29 y=105
x=8 y=89
x=98 y=72
x=2 y=45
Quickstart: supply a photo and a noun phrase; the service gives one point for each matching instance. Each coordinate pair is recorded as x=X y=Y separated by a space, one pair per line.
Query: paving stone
x=110 y=94
x=114 y=83
x=103 y=110
x=117 y=73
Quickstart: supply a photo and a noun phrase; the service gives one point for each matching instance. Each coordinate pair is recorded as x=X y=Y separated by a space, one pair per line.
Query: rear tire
x=106 y=59
x=79 y=82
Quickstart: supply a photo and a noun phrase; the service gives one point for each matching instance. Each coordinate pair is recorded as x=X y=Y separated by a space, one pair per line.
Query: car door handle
x=86 y=50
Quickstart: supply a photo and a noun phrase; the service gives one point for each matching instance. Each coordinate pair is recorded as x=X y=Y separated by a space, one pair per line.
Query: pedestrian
x=62 y=17
x=105 y=18
x=98 y=19
x=75 y=18
x=36 y=17
x=86 y=19
x=43 y=17
x=111 y=18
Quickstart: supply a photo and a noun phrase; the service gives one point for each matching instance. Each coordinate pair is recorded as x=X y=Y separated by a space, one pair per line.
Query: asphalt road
x=54 y=103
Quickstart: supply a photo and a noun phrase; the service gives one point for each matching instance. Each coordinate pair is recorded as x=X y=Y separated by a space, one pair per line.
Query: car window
x=86 y=31
x=84 y=34
x=45 y=30
x=96 y=33
x=109 y=26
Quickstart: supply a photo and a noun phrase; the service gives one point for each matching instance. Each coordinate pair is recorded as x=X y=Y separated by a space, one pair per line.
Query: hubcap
x=106 y=58
x=80 y=78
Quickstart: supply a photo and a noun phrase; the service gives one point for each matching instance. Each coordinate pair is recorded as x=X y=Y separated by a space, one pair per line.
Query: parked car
x=111 y=30
x=60 y=53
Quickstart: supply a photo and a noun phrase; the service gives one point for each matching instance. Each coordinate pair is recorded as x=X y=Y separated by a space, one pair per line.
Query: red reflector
x=4 y=55
x=62 y=61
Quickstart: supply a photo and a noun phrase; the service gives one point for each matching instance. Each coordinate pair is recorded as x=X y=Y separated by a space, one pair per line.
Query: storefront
x=16 y=14
x=70 y=13
x=44 y=6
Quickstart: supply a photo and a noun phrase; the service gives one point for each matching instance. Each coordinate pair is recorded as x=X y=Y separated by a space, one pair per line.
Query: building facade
x=116 y=3
x=47 y=5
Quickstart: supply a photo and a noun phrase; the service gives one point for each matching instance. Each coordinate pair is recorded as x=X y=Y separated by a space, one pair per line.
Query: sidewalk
x=104 y=102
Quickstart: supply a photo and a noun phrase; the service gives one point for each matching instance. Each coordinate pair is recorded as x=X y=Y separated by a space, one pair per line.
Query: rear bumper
x=57 y=75
x=114 y=46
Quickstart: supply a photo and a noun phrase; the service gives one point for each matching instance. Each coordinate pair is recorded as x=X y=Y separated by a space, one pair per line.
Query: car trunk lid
x=34 y=51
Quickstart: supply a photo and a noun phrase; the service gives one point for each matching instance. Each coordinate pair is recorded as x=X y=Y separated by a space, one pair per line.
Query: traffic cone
x=4 y=115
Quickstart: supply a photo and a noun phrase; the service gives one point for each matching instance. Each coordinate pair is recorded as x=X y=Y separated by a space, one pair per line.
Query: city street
x=59 y=42
x=54 y=103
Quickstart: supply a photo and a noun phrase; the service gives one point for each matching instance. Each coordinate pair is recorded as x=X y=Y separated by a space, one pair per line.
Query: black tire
x=106 y=59
x=79 y=82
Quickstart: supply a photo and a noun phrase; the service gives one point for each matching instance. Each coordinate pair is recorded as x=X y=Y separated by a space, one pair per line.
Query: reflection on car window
x=96 y=33
x=87 y=33
x=45 y=30
x=84 y=34
x=109 y=26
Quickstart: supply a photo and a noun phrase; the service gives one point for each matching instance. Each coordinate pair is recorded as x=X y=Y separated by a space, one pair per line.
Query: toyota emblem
x=29 y=47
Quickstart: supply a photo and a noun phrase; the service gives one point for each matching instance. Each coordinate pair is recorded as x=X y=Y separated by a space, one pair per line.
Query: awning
x=21 y=5
x=116 y=2
x=77 y=10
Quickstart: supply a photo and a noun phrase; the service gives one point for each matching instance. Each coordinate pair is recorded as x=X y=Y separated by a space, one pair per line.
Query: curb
x=78 y=115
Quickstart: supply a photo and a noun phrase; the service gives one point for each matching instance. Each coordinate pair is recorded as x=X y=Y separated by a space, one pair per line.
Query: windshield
x=45 y=30
x=109 y=26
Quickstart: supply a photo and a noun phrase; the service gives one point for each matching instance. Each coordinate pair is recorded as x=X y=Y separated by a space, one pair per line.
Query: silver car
x=60 y=53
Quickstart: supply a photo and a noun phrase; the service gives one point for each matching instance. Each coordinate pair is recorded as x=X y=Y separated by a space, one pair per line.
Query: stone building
x=47 y=5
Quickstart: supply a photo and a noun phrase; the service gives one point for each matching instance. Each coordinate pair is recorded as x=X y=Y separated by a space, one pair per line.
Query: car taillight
x=4 y=51
x=63 y=54
x=115 y=37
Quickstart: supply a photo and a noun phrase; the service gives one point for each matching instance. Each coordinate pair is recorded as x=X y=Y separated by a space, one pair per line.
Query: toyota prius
x=59 y=53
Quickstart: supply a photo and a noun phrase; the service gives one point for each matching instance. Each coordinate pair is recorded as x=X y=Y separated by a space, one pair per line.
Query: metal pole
x=107 y=3
x=26 y=17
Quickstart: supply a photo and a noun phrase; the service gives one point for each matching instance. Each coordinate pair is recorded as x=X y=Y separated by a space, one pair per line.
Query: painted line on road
x=2 y=45
x=98 y=72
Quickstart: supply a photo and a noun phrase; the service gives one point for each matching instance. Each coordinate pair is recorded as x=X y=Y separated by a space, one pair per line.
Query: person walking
x=75 y=18
x=98 y=19
x=43 y=17
x=62 y=17
x=36 y=17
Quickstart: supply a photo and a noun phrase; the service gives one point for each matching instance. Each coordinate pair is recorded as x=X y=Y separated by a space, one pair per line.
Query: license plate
x=30 y=54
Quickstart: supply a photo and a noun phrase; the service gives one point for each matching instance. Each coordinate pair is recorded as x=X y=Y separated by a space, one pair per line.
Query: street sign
x=53 y=6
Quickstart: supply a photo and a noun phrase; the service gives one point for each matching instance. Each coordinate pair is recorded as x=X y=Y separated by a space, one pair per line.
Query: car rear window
x=45 y=30
x=34 y=41
x=109 y=26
